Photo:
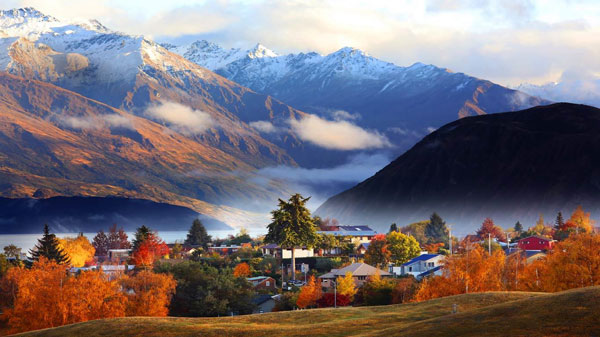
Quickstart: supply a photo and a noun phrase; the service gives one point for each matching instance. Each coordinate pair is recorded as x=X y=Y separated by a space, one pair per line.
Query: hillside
x=570 y=313
x=509 y=166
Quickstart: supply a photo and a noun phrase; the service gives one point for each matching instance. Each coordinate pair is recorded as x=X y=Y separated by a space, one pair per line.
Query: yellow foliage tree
x=79 y=250
x=309 y=294
x=346 y=286
x=582 y=220
x=241 y=270
x=149 y=293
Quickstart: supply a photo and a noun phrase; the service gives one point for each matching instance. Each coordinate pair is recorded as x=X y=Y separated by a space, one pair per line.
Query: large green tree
x=197 y=235
x=141 y=234
x=402 y=247
x=436 y=230
x=48 y=247
x=292 y=226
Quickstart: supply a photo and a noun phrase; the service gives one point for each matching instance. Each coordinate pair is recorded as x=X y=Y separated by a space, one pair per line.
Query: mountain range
x=87 y=111
x=510 y=166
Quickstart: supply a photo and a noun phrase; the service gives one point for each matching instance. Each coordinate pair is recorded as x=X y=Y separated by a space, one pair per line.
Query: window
x=268 y=283
x=409 y=268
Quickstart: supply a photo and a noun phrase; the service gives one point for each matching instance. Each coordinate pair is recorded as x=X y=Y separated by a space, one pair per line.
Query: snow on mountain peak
x=260 y=51
x=19 y=15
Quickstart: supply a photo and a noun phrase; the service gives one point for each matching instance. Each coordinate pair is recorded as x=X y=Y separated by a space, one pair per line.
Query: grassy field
x=570 y=313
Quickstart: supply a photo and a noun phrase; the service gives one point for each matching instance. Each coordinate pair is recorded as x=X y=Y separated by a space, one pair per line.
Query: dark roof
x=430 y=271
x=270 y=246
x=260 y=299
x=422 y=257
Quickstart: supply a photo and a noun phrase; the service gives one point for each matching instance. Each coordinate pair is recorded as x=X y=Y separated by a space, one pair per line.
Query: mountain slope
x=136 y=74
x=56 y=142
x=510 y=166
x=404 y=103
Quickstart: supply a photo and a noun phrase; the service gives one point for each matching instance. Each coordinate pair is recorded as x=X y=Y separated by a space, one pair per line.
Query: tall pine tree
x=48 y=247
x=141 y=235
x=197 y=235
x=560 y=222
x=436 y=230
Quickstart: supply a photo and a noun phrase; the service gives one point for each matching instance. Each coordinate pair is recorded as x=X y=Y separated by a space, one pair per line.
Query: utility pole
x=335 y=294
x=282 y=276
x=490 y=243
x=507 y=242
x=450 y=238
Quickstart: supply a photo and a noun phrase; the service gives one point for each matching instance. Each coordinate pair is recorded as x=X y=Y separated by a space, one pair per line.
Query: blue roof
x=422 y=257
x=365 y=244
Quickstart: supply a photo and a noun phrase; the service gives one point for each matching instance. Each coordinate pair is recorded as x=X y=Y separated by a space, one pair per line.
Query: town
x=303 y=262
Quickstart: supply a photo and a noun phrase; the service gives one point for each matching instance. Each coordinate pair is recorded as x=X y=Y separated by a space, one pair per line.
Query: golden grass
x=575 y=312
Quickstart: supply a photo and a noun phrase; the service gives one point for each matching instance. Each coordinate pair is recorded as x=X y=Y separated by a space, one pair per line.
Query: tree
x=560 y=222
x=582 y=220
x=417 y=230
x=329 y=300
x=433 y=248
x=203 y=290
x=12 y=251
x=393 y=228
x=404 y=290
x=141 y=234
x=378 y=253
x=242 y=270
x=100 y=243
x=402 y=247
x=377 y=291
x=197 y=235
x=241 y=237
x=488 y=228
x=436 y=230
x=309 y=294
x=292 y=226
x=79 y=250
x=117 y=239
x=540 y=228
x=149 y=294
x=518 y=228
x=149 y=250
x=48 y=247
x=346 y=286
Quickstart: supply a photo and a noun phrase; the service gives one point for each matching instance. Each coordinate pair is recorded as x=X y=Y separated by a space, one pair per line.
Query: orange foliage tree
x=45 y=296
x=241 y=270
x=79 y=250
x=433 y=247
x=489 y=228
x=378 y=253
x=309 y=294
x=473 y=271
x=149 y=294
x=149 y=250
x=581 y=220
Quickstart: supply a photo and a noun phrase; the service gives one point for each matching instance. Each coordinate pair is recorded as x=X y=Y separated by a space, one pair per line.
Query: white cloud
x=181 y=118
x=339 y=115
x=430 y=129
x=264 y=126
x=338 y=135
x=94 y=122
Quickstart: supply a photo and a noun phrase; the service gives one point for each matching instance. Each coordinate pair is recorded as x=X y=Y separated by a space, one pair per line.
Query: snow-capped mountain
x=401 y=102
x=583 y=91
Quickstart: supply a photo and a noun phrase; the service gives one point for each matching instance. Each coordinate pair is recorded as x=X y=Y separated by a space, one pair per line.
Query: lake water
x=28 y=241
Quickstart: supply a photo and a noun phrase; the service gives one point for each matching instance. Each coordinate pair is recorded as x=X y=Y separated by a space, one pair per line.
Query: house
x=262 y=283
x=118 y=255
x=264 y=303
x=362 y=248
x=224 y=250
x=276 y=251
x=360 y=274
x=536 y=242
x=419 y=265
x=356 y=234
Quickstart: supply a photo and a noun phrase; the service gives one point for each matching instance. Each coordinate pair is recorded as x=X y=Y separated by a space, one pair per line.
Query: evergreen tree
x=560 y=222
x=393 y=228
x=141 y=234
x=292 y=226
x=436 y=230
x=48 y=247
x=518 y=228
x=197 y=235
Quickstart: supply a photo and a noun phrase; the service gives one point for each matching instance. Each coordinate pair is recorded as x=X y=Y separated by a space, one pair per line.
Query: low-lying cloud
x=337 y=135
x=181 y=118
x=94 y=122
x=263 y=126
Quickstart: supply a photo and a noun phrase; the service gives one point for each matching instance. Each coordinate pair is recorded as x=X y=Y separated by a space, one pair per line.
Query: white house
x=420 y=266
x=276 y=251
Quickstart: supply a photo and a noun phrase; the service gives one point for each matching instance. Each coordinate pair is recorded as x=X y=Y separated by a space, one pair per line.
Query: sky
x=506 y=41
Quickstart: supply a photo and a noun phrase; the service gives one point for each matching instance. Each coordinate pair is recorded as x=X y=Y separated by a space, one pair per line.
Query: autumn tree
x=117 y=238
x=378 y=253
x=582 y=220
x=540 y=228
x=100 y=243
x=148 y=294
x=436 y=230
x=12 y=251
x=404 y=290
x=197 y=235
x=292 y=226
x=417 y=230
x=309 y=293
x=376 y=291
x=346 y=286
x=242 y=270
x=149 y=250
x=48 y=247
x=78 y=249
x=488 y=228
x=433 y=248
x=402 y=247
